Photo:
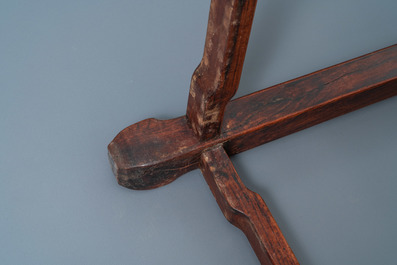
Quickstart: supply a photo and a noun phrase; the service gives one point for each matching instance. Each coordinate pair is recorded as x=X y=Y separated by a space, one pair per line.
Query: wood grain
x=152 y=153
x=245 y=209
x=216 y=79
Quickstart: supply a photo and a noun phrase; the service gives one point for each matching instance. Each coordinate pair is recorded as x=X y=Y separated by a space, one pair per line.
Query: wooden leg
x=245 y=209
x=217 y=77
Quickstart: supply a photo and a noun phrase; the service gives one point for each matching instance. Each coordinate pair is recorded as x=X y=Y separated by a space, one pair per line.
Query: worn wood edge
x=152 y=153
x=245 y=209
x=153 y=167
x=216 y=79
x=298 y=121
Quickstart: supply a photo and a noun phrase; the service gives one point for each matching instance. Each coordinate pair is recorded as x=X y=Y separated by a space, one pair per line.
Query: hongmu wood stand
x=152 y=153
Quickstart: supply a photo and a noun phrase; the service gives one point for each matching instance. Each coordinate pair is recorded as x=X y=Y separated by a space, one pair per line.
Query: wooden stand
x=152 y=153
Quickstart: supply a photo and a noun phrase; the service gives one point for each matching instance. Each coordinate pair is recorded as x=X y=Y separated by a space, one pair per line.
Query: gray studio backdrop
x=74 y=73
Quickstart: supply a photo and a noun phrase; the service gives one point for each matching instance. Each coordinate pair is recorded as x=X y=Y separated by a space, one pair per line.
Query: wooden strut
x=153 y=153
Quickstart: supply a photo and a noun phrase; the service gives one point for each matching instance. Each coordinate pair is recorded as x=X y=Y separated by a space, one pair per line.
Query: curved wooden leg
x=245 y=209
x=216 y=79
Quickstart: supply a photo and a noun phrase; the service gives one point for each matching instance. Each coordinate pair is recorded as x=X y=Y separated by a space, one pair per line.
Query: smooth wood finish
x=152 y=153
x=245 y=209
x=216 y=79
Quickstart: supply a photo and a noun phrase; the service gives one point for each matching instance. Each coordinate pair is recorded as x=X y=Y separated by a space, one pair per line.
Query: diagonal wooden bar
x=152 y=153
x=245 y=209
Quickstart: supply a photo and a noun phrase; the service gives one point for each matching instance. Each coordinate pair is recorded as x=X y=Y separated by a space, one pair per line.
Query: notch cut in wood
x=152 y=153
x=244 y=208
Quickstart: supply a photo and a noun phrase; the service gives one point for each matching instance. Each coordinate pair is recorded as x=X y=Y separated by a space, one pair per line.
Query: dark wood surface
x=245 y=209
x=216 y=79
x=152 y=153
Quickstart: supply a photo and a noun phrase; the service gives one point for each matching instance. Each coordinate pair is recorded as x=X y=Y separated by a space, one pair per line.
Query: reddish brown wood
x=245 y=209
x=216 y=79
x=152 y=152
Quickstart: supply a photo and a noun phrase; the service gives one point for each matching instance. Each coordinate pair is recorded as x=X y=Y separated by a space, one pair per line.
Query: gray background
x=75 y=73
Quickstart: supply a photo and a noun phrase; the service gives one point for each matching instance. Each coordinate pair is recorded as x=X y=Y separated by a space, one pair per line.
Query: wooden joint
x=152 y=153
